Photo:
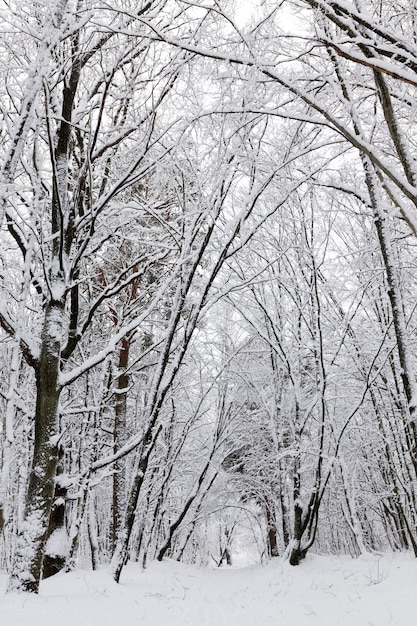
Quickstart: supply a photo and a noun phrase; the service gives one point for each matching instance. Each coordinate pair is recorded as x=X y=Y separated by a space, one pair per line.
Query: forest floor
x=323 y=591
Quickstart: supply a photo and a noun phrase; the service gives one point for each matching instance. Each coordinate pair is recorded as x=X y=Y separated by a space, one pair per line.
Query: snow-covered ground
x=323 y=591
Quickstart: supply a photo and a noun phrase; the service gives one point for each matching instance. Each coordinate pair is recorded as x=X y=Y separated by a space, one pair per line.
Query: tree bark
x=27 y=568
x=57 y=542
x=119 y=438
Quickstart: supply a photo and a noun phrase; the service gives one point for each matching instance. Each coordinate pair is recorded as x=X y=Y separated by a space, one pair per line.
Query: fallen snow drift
x=323 y=591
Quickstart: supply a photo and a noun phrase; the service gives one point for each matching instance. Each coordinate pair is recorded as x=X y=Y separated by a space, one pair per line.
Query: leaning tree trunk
x=405 y=352
x=375 y=184
x=120 y=554
x=30 y=548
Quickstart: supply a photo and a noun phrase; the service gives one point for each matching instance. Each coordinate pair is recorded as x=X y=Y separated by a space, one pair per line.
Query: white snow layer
x=323 y=591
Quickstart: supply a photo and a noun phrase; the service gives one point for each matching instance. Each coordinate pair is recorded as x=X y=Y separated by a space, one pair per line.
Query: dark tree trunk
x=57 y=543
x=272 y=532
x=119 y=438
x=295 y=553
x=226 y=556
x=92 y=532
x=30 y=548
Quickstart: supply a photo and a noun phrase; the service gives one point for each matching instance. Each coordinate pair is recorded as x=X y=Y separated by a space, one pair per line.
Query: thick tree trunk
x=297 y=551
x=57 y=543
x=295 y=543
x=30 y=548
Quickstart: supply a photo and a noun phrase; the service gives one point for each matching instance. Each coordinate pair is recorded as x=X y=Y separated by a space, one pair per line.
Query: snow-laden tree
x=349 y=70
x=97 y=132
x=158 y=160
x=106 y=122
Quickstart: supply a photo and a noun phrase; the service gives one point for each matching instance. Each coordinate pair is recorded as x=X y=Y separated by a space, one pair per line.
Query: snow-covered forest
x=208 y=269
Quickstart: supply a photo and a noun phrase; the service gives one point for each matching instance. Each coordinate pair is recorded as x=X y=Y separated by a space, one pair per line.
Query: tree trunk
x=57 y=542
x=400 y=325
x=272 y=531
x=121 y=552
x=177 y=523
x=119 y=438
x=30 y=548
x=295 y=543
x=92 y=531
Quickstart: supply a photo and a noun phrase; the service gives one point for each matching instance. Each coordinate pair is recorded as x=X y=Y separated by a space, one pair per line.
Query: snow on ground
x=322 y=591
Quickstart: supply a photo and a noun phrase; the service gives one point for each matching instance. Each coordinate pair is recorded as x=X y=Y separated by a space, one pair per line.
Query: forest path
x=323 y=591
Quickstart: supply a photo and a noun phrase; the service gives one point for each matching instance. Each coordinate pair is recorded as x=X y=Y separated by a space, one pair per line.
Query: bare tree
x=72 y=202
